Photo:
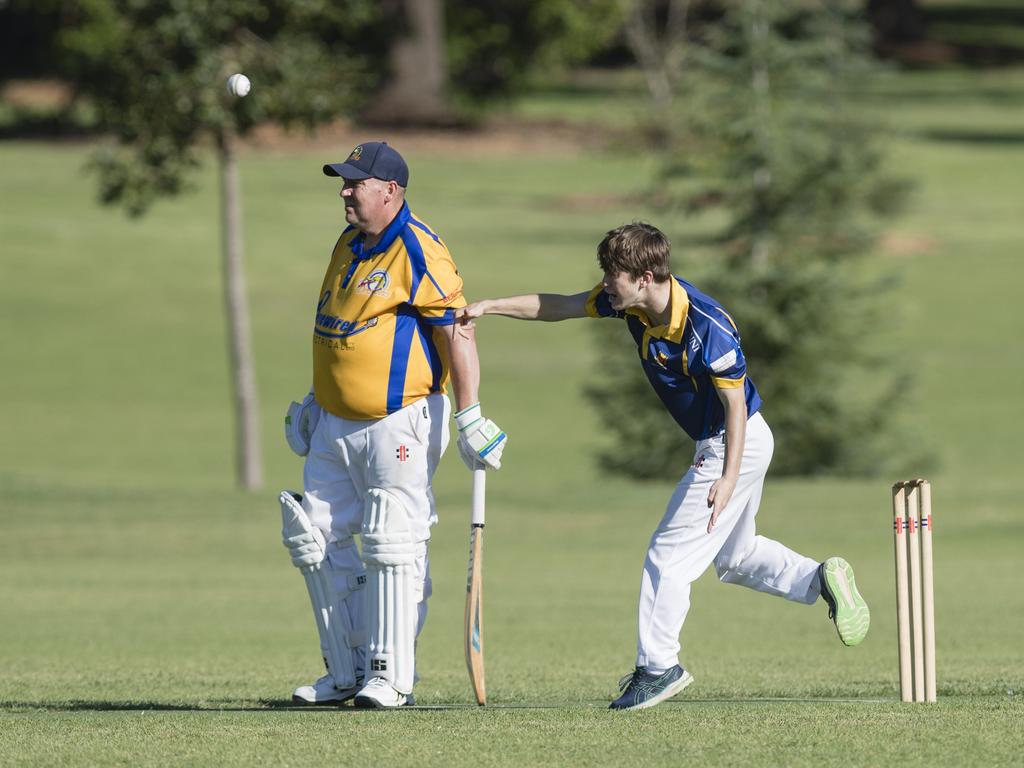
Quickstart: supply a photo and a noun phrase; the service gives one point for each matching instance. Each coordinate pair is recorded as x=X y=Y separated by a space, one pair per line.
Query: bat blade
x=474 y=636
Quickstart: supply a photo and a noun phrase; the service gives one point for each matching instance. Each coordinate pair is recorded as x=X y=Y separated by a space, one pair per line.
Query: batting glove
x=481 y=441
x=299 y=423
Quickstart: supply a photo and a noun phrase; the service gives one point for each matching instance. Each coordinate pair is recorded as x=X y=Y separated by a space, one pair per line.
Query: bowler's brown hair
x=634 y=249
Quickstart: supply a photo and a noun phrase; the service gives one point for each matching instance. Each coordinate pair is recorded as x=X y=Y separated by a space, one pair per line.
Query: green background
x=149 y=616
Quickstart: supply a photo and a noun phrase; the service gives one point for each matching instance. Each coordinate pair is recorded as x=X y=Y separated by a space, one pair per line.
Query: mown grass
x=148 y=615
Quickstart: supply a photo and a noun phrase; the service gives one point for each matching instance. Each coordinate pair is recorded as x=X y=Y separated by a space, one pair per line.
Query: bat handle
x=479 y=490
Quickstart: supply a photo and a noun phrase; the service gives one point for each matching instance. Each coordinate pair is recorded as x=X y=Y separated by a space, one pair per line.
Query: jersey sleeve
x=438 y=286
x=724 y=359
x=598 y=304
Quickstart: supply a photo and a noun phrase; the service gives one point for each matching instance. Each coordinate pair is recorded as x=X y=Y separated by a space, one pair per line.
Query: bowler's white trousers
x=681 y=548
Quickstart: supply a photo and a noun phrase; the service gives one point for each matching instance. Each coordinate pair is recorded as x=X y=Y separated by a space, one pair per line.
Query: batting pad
x=335 y=586
x=389 y=552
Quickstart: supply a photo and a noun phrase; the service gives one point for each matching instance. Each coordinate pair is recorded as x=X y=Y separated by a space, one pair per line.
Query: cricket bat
x=474 y=591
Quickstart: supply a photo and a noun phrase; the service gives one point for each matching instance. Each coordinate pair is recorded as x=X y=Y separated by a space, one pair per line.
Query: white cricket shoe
x=378 y=694
x=323 y=691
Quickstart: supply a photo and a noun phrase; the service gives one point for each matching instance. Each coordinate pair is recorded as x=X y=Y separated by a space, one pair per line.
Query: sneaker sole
x=343 y=699
x=368 y=702
x=326 y=703
x=852 y=616
x=668 y=693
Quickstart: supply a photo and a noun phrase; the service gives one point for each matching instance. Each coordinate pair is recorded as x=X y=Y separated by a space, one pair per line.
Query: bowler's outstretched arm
x=549 y=307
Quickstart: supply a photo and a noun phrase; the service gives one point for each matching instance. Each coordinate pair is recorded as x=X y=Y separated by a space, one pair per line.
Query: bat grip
x=479 y=489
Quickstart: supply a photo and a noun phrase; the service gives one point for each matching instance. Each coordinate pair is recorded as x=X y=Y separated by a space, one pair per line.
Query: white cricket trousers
x=399 y=454
x=681 y=548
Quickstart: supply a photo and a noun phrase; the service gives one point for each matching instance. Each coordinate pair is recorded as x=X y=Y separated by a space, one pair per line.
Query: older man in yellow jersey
x=373 y=429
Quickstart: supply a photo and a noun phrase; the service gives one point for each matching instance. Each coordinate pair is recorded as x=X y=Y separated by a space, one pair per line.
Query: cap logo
x=356 y=154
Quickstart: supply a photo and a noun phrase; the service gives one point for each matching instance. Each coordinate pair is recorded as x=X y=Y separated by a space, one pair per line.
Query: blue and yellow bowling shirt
x=374 y=344
x=685 y=360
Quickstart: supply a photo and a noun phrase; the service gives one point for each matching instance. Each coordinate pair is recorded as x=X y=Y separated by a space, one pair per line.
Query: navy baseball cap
x=374 y=159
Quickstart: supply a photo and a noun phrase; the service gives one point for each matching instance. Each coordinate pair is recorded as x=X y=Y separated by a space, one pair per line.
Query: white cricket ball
x=238 y=85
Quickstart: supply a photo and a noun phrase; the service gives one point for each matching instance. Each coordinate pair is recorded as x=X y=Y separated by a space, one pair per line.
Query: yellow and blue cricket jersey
x=687 y=359
x=374 y=348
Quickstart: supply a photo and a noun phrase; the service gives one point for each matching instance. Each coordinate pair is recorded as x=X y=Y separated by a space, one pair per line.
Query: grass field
x=149 y=616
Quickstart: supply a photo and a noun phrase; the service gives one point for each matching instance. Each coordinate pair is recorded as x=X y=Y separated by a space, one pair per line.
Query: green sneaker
x=845 y=605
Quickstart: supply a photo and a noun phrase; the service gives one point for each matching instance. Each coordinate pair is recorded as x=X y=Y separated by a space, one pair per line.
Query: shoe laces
x=630 y=679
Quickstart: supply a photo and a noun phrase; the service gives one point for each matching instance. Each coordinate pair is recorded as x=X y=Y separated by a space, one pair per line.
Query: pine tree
x=773 y=143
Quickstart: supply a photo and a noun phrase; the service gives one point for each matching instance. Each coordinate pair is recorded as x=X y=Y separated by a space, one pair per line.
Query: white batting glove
x=307 y=548
x=481 y=441
x=299 y=423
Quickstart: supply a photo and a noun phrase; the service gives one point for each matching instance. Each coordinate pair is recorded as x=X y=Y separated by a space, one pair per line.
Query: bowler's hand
x=464 y=324
x=718 y=497
x=470 y=312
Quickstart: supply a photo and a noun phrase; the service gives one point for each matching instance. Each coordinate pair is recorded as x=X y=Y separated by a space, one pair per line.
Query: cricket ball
x=238 y=85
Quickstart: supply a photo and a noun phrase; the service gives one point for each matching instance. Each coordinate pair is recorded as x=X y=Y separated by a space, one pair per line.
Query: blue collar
x=386 y=239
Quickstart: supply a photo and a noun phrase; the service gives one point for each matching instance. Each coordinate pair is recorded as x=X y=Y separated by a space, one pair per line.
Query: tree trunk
x=417 y=91
x=896 y=21
x=248 y=461
x=761 y=89
x=659 y=47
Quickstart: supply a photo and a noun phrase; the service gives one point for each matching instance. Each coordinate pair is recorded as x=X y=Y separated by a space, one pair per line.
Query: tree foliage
x=773 y=144
x=494 y=46
x=156 y=72
x=339 y=51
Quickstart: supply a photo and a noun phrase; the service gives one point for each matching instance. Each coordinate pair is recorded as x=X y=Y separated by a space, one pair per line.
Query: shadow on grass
x=994 y=138
x=286 y=705
x=82 y=705
x=783 y=700
x=958 y=88
x=262 y=705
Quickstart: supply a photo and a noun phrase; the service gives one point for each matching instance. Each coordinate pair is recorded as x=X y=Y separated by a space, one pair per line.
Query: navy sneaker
x=846 y=607
x=641 y=689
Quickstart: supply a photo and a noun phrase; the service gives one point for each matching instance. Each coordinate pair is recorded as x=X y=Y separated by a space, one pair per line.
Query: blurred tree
x=28 y=29
x=450 y=59
x=773 y=143
x=896 y=22
x=156 y=72
x=656 y=32
x=416 y=90
x=494 y=46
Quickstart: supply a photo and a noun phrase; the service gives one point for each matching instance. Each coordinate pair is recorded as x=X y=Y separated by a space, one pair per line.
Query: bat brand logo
x=402 y=453
x=699 y=462
x=378 y=665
